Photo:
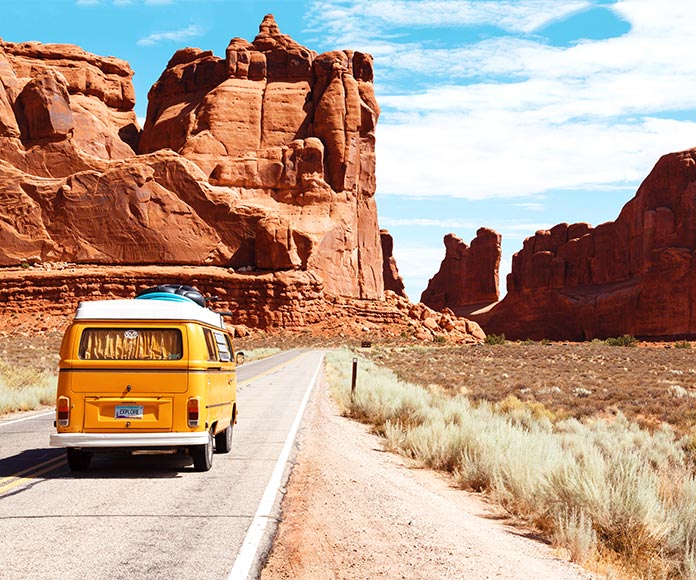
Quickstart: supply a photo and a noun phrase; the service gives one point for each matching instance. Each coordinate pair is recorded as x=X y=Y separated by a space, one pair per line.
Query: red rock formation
x=63 y=110
x=272 y=165
x=262 y=162
x=392 y=279
x=43 y=298
x=468 y=276
x=291 y=135
x=636 y=275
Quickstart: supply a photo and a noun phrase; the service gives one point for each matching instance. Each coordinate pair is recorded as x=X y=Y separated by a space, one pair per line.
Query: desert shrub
x=23 y=388
x=379 y=397
x=593 y=486
x=682 y=344
x=494 y=339
x=532 y=415
x=574 y=530
x=625 y=340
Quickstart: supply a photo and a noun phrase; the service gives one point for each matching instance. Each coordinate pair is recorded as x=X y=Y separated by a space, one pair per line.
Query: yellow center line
x=32 y=468
x=33 y=472
x=269 y=371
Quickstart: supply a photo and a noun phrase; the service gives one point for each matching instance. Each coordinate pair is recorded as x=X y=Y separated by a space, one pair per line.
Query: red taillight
x=63 y=411
x=193 y=411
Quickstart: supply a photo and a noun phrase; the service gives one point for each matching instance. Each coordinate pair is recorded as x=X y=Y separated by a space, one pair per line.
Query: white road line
x=247 y=553
x=4 y=424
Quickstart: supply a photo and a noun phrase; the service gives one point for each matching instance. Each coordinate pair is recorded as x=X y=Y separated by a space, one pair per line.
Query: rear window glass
x=131 y=344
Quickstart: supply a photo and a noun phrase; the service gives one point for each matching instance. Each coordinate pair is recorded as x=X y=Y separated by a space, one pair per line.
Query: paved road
x=148 y=517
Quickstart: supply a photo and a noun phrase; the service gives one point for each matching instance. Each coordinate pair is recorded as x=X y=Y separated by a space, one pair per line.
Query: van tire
x=202 y=455
x=223 y=440
x=78 y=460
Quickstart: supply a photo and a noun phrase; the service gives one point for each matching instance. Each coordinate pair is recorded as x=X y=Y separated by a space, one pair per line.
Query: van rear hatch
x=130 y=361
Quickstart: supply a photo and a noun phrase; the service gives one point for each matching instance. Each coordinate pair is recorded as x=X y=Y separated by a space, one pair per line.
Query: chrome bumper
x=133 y=440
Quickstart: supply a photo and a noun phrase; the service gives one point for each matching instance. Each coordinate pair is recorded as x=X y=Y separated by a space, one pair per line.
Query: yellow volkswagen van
x=153 y=373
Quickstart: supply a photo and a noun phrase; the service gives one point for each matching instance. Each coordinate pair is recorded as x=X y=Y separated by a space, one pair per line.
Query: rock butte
x=392 y=279
x=468 y=275
x=259 y=166
x=635 y=275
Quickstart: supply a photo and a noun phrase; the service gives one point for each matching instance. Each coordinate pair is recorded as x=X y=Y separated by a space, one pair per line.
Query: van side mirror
x=239 y=358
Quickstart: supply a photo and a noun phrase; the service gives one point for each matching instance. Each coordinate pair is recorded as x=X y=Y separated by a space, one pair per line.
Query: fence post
x=354 y=379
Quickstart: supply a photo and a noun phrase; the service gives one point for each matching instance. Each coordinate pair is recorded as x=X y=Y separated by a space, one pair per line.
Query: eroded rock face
x=290 y=134
x=43 y=298
x=63 y=110
x=636 y=275
x=263 y=160
x=468 y=276
x=392 y=279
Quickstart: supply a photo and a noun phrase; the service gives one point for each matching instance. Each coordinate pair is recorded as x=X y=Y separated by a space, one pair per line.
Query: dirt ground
x=353 y=511
x=651 y=383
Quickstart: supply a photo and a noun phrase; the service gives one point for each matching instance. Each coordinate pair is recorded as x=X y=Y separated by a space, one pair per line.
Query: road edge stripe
x=36 y=415
x=247 y=553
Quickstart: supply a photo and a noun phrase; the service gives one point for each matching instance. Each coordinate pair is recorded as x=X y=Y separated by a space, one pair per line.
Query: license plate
x=129 y=412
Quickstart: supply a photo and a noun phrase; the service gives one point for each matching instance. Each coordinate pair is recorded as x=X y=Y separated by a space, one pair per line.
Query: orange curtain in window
x=130 y=344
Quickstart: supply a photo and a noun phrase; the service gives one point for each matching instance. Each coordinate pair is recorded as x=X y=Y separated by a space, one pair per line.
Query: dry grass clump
x=24 y=388
x=594 y=486
x=28 y=370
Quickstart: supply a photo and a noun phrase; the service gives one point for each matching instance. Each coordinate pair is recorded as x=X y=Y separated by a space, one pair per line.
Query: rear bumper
x=128 y=440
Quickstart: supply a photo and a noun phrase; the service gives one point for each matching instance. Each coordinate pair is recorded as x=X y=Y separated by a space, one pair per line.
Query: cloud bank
x=504 y=112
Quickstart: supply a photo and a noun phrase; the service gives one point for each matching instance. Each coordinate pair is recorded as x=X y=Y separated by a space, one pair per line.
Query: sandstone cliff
x=289 y=135
x=262 y=161
x=468 y=275
x=253 y=178
x=636 y=275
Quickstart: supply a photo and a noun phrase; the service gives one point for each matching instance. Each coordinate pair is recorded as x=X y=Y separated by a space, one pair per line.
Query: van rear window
x=131 y=344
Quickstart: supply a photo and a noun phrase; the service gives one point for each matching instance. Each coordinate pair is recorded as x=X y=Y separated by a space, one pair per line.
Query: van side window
x=210 y=343
x=223 y=347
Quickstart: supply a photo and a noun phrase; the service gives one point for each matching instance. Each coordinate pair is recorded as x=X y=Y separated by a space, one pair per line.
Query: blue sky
x=510 y=114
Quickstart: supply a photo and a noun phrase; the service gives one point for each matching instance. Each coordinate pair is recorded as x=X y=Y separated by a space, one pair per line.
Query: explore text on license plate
x=129 y=412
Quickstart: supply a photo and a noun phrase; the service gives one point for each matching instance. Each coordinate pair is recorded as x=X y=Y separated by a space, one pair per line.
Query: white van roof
x=146 y=310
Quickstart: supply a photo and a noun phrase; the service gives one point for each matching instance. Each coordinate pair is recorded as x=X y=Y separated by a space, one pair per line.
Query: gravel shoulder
x=353 y=511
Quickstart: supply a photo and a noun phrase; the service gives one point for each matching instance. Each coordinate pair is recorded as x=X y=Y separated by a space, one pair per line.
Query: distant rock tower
x=468 y=276
x=392 y=279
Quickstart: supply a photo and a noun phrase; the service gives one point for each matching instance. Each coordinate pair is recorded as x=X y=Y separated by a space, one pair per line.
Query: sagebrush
x=593 y=485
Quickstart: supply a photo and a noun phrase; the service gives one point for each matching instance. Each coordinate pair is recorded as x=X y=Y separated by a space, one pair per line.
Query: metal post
x=354 y=379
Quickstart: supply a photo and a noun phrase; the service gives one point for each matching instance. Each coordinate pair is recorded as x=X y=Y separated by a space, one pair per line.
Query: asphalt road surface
x=153 y=517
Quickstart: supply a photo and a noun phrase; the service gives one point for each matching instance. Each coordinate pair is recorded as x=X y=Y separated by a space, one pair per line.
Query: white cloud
x=515 y=154
x=511 y=116
x=181 y=35
x=87 y=2
x=355 y=22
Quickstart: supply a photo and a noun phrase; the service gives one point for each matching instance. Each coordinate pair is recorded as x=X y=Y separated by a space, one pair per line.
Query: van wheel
x=203 y=455
x=223 y=440
x=78 y=460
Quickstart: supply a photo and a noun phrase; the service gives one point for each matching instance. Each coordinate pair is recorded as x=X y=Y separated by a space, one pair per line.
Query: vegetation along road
x=152 y=517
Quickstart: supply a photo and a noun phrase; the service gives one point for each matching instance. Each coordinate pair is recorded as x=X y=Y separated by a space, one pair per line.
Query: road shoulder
x=353 y=511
